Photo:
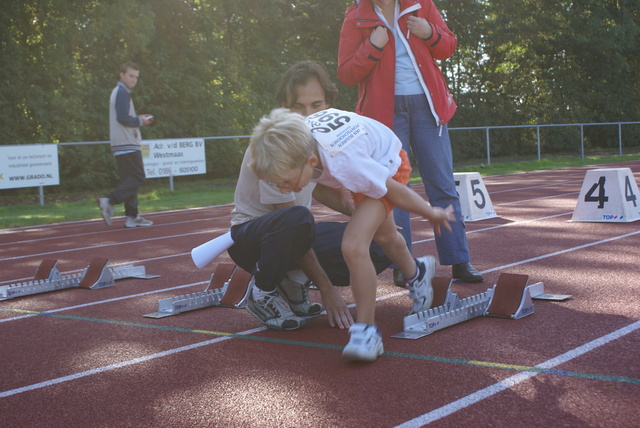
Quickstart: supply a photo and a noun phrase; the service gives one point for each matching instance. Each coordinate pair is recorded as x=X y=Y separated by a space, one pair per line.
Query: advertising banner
x=173 y=157
x=29 y=165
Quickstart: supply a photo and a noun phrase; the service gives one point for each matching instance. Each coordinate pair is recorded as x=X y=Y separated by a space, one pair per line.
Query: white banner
x=173 y=157
x=29 y=165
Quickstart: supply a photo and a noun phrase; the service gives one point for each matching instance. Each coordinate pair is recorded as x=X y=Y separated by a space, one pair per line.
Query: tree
x=210 y=68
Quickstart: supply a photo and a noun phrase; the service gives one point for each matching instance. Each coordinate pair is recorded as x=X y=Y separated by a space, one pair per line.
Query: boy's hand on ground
x=442 y=217
x=337 y=310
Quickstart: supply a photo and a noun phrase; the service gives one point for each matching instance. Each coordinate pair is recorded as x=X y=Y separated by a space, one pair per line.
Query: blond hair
x=280 y=143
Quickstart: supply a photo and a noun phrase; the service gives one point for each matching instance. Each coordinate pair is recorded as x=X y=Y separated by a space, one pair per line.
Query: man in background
x=125 y=138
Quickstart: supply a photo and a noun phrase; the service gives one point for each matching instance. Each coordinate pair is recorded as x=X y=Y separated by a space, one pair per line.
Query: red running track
x=89 y=358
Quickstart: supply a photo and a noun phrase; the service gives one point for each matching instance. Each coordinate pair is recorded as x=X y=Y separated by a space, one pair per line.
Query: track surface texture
x=89 y=357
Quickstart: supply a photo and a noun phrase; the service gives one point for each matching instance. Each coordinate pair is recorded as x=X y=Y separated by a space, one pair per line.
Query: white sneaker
x=421 y=290
x=105 y=209
x=365 y=343
x=137 y=222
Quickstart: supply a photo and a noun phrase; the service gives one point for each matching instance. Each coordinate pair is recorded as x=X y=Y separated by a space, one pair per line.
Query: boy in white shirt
x=341 y=149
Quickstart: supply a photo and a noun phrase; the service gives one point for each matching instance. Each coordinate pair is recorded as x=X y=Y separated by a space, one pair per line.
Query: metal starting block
x=228 y=287
x=47 y=271
x=130 y=271
x=510 y=297
x=48 y=278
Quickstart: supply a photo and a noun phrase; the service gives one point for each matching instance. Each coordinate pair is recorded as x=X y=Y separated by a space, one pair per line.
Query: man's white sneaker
x=421 y=290
x=297 y=296
x=105 y=209
x=137 y=222
x=365 y=343
x=273 y=312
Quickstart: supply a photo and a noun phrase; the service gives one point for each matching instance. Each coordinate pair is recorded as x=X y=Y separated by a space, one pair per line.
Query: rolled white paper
x=207 y=252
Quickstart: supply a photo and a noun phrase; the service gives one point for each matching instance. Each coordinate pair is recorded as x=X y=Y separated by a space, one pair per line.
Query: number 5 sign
x=474 y=199
x=608 y=195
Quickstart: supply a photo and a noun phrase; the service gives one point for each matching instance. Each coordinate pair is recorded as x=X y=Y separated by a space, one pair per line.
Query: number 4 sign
x=474 y=199
x=608 y=195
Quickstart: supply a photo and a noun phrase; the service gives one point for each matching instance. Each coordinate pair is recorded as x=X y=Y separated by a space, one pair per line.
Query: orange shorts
x=402 y=176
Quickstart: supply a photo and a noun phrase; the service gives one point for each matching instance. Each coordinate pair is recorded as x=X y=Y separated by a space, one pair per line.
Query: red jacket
x=360 y=63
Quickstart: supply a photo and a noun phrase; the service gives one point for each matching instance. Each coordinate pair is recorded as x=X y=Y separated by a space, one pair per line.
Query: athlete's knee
x=354 y=250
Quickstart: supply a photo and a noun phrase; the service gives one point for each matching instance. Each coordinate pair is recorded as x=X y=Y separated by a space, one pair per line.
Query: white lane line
x=554 y=185
x=504 y=384
x=533 y=259
x=68 y=224
x=568 y=250
x=93 y=247
x=500 y=226
x=100 y=302
x=145 y=358
x=69 y=272
x=512 y=381
x=14 y=281
x=536 y=199
x=100 y=232
x=109 y=367
x=208 y=234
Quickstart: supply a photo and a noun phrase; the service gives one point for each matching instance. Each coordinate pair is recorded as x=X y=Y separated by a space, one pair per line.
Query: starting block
x=47 y=271
x=608 y=195
x=228 y=287
x=474 y=199
x=48 y=278
x=97 y=275
x=510 y=297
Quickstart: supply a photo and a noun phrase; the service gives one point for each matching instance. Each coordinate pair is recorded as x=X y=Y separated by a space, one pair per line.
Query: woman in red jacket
x=389 y=49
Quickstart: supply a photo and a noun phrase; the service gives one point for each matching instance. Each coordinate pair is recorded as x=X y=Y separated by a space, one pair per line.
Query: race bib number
x=335 y=129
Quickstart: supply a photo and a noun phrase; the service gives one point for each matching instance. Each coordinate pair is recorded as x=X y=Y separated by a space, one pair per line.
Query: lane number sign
x=608 y=195
x=474 y=198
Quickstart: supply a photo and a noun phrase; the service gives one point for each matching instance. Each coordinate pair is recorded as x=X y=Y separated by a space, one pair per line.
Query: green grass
x=155 y=195
x=548 y=163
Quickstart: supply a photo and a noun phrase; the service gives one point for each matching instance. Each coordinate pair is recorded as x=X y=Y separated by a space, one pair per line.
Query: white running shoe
x=365 y=343
x=137 y=222
x=105 y=209
x=421 y=290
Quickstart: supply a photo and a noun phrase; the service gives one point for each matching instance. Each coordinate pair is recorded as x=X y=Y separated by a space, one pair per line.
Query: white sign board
x=29 y=165
x=474 y=199
x=173 y=157
x=608 y=195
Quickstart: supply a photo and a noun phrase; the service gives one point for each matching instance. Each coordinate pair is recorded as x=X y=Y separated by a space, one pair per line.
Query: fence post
x=538 y=135
x=619 y=139
x=582 y=140
x=488 y=147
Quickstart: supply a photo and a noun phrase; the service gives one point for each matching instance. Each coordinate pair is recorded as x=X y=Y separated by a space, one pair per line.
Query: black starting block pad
x=228 y=287
x=511 y=297
x=48 y=278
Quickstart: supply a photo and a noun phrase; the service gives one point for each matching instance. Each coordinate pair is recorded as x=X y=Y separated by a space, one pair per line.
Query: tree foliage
x=210 y=67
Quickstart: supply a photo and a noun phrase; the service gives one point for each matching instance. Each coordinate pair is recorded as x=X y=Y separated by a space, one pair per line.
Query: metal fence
x=537 y=128
x=453 y=131
x=487 y=132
